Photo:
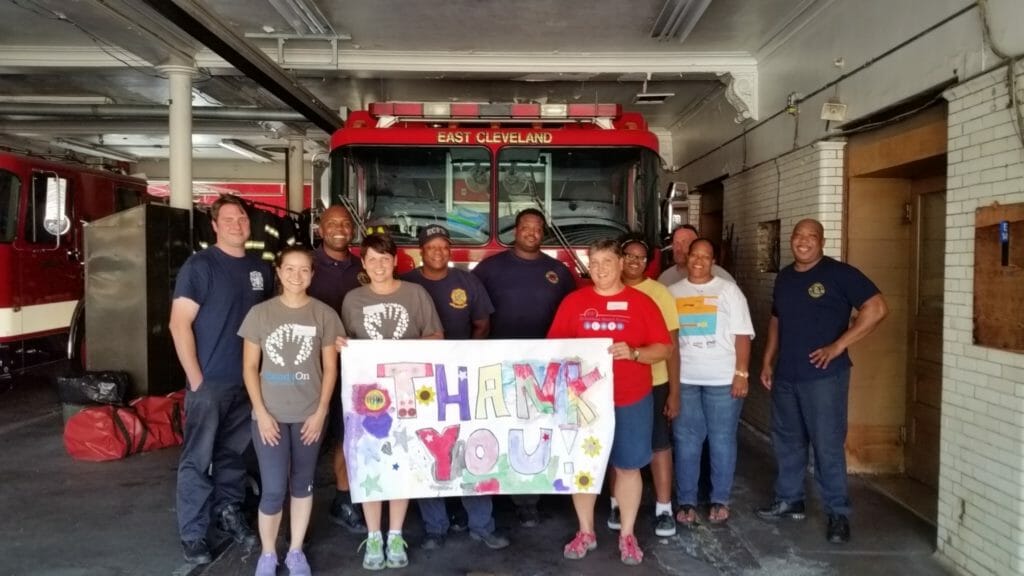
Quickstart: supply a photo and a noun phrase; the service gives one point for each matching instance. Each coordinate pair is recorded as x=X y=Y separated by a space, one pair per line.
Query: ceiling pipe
x=146 y=111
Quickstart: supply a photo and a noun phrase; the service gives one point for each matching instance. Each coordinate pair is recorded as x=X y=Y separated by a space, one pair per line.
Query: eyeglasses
x=634 y=258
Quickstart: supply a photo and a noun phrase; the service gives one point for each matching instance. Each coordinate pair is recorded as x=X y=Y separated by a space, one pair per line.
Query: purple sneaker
x=267 y=565
x=296 y=563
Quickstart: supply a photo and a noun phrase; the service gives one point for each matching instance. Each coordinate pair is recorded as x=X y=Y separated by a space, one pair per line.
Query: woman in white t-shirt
x=714 y=354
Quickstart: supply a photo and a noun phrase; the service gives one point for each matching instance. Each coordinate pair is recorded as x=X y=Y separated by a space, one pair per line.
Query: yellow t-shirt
x=667 y=304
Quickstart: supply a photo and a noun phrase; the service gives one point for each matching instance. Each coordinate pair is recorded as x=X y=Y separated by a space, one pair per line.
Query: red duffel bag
x=162 y=416
x=101 y=433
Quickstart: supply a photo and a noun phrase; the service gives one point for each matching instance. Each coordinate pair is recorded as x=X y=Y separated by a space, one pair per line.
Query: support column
x=295 y=173
x=180 y=130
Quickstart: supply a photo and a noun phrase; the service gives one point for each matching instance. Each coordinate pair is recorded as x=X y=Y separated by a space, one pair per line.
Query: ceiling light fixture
x=93 y=149
x=248 y=150
x=645 y=98
x=678 y=18
x=45 y=99
x=305 y=17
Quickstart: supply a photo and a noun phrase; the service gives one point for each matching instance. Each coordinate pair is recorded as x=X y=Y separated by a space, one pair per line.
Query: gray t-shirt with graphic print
x=291 y=341
x=406 y=314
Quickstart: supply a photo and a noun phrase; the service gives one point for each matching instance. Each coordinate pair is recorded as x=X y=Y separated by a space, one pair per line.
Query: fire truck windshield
x=401 y=189
x=588 y=193
x=584 y=191
x=9 y=187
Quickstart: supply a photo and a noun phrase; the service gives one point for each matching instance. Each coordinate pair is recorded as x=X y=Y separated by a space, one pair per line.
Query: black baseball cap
x=428 y=233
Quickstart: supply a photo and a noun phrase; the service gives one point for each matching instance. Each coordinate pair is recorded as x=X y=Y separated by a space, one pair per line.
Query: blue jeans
x=479 y=509
x=705 y=412
x=216 y=432
x=811 y=411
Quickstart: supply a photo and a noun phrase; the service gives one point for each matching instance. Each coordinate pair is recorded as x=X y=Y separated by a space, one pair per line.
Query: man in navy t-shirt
x=336 y=272
x=526 y=286
x=214 y=291
x=810 y=333
x=465 y=311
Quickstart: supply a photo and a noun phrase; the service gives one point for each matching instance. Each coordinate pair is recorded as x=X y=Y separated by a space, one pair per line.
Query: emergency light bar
x=469 y=111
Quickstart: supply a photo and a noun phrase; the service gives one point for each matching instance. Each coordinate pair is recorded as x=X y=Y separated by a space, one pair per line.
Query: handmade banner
x=428 y=418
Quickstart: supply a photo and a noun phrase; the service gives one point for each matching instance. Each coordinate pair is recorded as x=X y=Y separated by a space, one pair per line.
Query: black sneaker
x=838 y=529
x=665 y=525
x=528 y=516
x=492 y=540
x=348 y=516
x=231 y=522
x=432 y=542
x=196 y=551
x=779 y=510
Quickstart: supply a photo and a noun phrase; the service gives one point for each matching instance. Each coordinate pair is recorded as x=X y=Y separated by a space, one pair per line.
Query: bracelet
x=742 y=373
x=635 y=354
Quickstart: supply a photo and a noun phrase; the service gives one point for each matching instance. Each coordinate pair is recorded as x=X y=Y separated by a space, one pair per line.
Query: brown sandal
x=687 y=515
x=719 y=514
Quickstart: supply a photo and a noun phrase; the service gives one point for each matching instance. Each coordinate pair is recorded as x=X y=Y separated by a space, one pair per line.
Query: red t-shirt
x=629 y=316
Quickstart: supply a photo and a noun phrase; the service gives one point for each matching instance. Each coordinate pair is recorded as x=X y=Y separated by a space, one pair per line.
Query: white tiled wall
x=981 y=477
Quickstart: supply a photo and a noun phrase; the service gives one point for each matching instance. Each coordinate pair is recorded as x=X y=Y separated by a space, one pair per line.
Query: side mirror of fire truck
x=676 y=203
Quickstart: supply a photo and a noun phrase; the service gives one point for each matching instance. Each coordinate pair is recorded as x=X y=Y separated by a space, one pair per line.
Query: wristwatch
x=635 y=354
x=742 y=373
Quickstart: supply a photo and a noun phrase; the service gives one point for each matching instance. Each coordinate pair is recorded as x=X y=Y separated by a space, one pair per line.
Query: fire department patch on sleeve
x=552 y=276
x=363 y=278
x=458 y=299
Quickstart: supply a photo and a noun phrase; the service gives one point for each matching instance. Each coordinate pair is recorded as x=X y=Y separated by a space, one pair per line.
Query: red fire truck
x=591 y=168
x=43 y=205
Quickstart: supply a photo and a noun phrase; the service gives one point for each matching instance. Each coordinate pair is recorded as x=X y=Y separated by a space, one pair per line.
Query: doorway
x=895 y=222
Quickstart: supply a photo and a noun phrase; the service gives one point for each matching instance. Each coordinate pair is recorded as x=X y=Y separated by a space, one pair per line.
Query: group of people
x=266 y=368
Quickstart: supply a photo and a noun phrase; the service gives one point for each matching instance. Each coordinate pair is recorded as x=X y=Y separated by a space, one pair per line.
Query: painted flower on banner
x=425 y=395
x=591 y=446
x=584 y=481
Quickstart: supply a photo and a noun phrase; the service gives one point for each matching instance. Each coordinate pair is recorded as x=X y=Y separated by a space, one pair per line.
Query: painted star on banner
x=371 y=484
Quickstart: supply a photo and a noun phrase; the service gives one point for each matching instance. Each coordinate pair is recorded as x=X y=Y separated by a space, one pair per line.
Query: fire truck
x=43 y=206
x=590 y=168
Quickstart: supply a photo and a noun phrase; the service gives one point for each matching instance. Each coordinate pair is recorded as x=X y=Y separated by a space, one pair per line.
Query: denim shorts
x=631 y=449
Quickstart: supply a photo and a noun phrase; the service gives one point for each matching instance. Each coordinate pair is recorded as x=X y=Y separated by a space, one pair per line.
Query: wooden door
x=924 y=358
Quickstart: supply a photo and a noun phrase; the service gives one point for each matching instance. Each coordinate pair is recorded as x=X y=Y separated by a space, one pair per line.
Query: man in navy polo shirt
x=526 y=286
x=335 y=272
x=213 y=293
x=465 y=310
x=810 y=332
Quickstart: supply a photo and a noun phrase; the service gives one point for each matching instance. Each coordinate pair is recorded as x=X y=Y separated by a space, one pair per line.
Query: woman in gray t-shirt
x=387 y=309
x=294 y=335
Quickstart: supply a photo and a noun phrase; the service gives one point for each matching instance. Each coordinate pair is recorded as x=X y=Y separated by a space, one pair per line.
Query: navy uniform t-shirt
x=459 y=298
x=225 y=287
x=332 y=279
x=525 y=293
x=813 y=308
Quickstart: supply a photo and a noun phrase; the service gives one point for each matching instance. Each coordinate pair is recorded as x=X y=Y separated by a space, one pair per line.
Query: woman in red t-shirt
x=610 y=309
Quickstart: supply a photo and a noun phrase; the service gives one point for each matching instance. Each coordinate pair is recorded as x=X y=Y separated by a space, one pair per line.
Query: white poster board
x=427 y=418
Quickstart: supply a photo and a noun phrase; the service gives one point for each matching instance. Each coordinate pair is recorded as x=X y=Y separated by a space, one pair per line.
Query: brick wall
x=806 y=183
x=981 y=485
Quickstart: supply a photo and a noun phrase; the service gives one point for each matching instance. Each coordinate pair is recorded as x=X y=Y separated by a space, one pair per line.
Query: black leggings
x=289 y=458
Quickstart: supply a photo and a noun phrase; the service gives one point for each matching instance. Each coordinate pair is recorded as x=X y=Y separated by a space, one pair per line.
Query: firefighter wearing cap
x=337 y=273
x=465 y=311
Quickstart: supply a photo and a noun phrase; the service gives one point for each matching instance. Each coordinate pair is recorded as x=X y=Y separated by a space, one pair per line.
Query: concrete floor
x=68 y=518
